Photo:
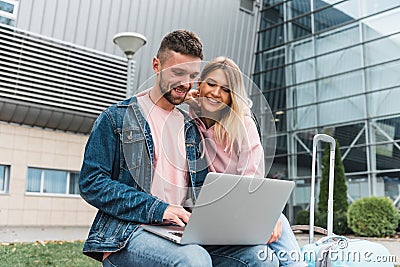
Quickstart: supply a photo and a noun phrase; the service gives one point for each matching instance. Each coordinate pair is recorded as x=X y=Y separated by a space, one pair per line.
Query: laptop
x=231 y=210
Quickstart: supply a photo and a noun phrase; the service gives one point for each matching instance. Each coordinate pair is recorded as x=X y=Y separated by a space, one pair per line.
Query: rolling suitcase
x=334 y=250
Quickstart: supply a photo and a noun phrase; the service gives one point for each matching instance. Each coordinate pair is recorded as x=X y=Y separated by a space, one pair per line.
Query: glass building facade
x=333 y=66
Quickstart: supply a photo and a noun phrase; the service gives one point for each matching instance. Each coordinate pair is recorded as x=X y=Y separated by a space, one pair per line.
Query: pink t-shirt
x=170 y=166
x=170 y=178
x=249 y=161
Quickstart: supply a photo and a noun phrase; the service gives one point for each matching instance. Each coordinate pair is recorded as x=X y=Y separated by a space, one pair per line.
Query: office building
x=333 y=66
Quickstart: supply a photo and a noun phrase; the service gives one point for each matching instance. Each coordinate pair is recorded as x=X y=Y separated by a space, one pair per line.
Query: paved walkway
x=33 y=234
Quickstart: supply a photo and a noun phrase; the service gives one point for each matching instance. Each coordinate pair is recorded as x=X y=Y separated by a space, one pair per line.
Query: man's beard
x=167 y=93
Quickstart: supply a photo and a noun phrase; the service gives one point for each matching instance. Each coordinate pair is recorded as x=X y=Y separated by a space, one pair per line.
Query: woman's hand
x=192 y=98
x=276 y=234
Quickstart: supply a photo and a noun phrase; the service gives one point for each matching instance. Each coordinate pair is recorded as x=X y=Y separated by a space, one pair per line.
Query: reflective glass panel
x=383 y=76
x=301 y=193
x=272 y=79
x=297 y=8
x=276 y=99
x=394 y=123
x=280 y=123
x=304 y=117
x=303 y=161
x=370 y=7
x=281 y=145
x=354 y=158
x=347 y=135
x=303 y=94
x=279 y=168
x=339 y=62
x=357 y=186
x=384 y=102
x=389 y=185
x=268 y=3
x=382 y=50
x=347 y=84
x=302 y=71
x=301 y=27
x=271 y=37
x=337 y=39
x=340 y=111
x=271 y=16
x=381 y=25
x=387 y=156
x=319 y=4
x=306 y=140
x=301 y=50
x=270 y=59
x=336 y=15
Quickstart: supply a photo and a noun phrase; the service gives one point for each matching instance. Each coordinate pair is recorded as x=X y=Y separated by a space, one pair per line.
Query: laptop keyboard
x=179 y=234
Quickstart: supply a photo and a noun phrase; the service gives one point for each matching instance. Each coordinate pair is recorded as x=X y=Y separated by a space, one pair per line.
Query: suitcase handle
x=326 y=138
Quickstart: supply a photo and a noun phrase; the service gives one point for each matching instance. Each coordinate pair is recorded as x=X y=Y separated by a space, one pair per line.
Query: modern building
x=333 y=65
x=322 y=65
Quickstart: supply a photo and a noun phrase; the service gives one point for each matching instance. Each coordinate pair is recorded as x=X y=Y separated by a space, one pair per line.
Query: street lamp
x=129 y=42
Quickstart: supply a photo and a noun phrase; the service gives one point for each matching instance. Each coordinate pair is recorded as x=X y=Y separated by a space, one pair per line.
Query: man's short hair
x=180 y=41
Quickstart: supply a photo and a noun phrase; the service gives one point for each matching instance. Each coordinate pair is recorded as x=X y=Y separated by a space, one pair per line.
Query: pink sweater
x=250 y=161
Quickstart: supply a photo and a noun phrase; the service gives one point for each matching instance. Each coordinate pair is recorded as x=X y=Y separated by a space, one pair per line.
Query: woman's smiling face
x=214 y=92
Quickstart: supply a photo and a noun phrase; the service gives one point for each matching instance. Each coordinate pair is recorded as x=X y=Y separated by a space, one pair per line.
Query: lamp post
x=129 y=42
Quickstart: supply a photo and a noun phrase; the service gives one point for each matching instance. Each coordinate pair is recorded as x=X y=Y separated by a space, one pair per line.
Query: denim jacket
x=117 y=172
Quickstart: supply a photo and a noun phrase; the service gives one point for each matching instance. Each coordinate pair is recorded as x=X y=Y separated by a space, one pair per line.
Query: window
x=8 y=12
x=4 y=178
x=247 y=5
x=47 y=181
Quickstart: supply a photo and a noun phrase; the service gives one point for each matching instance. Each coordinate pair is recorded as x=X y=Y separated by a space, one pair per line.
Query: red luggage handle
x=332 y=142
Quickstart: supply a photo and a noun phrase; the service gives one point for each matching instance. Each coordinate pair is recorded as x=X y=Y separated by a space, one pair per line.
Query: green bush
x=373 y=217
x=398 y=225
x=303 y=217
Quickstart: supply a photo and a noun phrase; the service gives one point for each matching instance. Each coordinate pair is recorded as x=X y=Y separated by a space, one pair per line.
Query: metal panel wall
x=222 y=26
x=54 y=84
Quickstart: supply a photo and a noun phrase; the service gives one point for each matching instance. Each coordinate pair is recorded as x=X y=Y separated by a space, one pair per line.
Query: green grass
x=54 y=254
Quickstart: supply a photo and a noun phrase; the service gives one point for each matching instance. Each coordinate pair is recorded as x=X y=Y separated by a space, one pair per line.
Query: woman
x=221 y=111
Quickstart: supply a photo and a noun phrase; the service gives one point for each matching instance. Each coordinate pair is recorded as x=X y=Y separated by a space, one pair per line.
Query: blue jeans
x=151 y=250
x=286 y=247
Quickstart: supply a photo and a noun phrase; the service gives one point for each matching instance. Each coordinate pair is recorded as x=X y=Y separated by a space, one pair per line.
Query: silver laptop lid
x=236 y=210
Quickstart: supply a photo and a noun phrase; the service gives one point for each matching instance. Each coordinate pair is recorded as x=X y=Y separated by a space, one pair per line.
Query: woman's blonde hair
x=230 y=130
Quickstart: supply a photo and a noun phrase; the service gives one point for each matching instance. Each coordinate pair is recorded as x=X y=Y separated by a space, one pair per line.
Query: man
x=143 y=163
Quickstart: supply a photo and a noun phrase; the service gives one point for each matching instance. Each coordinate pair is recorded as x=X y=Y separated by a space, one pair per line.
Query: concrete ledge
x=306 y=228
